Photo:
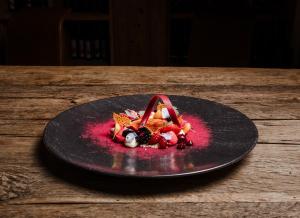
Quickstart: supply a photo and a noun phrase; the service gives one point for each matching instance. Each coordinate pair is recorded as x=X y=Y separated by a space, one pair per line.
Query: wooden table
x=34 y=183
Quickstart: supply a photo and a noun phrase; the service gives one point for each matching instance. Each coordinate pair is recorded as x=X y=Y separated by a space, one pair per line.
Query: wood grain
x=33 y=183
x=146 y=75
x=44 y=102
x=248 y=209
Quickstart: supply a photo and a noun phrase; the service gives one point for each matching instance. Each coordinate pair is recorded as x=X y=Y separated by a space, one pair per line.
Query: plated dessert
x=159 y=126
x=149 y=141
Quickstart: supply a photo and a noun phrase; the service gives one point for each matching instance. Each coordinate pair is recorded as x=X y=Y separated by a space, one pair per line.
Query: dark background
x=239 y=33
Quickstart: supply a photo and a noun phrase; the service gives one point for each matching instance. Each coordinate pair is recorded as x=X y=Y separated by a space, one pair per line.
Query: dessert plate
x=72 y=136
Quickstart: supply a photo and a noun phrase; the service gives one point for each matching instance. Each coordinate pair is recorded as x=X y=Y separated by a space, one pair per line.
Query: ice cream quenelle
x=160 y=128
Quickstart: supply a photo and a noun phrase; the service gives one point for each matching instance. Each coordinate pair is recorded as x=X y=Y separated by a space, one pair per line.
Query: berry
x=126 y=131
x=119 y=138
x=144 y=135
x=181 y=145
x=155 y=138
x=163 y=143
x=189 y=143
x=181 y=138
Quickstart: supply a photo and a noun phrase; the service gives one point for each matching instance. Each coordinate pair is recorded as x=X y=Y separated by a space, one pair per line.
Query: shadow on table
x=126 y=185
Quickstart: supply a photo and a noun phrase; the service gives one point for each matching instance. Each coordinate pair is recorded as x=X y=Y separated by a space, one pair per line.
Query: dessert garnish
x=162 y=128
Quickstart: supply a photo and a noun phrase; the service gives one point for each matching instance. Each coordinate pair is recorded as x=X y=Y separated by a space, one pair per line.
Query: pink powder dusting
x=99 y=134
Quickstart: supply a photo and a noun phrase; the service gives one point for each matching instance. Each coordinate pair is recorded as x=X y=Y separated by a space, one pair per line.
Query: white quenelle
x=165 y=113
x=130 y=140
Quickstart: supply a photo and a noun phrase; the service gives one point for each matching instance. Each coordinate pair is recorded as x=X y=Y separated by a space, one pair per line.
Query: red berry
x=163 y=143
x=181 y=145
x=119 y=138
x=189 y=143
x=155 y=138
x=181 y=138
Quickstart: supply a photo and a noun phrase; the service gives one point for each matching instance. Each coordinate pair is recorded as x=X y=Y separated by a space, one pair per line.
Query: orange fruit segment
x=135 y=124
x=158 y=114
x=160 y=106
x=155 y=124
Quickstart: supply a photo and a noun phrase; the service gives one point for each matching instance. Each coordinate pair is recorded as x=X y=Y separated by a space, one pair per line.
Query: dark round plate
x=232 y=137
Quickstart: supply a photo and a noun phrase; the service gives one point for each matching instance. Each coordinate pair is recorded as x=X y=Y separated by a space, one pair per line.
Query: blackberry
x=181 y=145
x=144 y=135
x=181 y=138
x=189 y=143
x=126 y=131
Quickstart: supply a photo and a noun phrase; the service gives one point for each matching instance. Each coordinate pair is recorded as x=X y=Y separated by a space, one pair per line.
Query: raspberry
x=189 y=143
x=181 y=145
x=163 y=143
x=181 y=138
x=144 y=135
x=155 y=138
